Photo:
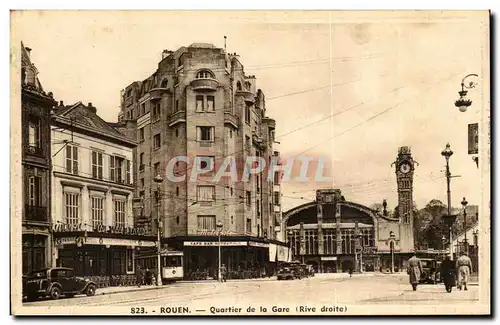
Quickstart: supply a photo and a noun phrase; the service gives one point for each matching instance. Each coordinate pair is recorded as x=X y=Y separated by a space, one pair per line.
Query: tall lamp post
x=447 y=153
x=219 y=230
x=392 y=236
x=464 y=204
x=443 y=242
x=158 y=180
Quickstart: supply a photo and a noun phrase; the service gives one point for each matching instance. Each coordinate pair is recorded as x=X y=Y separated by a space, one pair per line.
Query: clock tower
x=405 y=167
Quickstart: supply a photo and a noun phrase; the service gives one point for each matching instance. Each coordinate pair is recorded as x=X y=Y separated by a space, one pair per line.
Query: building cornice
x=94 y=182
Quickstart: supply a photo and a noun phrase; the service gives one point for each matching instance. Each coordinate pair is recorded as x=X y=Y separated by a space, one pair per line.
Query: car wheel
x=91 y=290
x=55 y=293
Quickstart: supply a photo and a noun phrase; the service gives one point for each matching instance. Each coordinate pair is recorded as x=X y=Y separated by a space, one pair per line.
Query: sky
x=349 y=87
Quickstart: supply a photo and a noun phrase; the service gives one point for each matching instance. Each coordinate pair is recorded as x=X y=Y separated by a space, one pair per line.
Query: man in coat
x=464 y=269
x=414 y=270
x=138 y=275
x=448 y=273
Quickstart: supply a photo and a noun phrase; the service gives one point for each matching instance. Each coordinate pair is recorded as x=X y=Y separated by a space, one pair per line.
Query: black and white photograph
x=250 y=163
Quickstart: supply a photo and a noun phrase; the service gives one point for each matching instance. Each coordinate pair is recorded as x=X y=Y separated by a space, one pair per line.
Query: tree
x=428 y=226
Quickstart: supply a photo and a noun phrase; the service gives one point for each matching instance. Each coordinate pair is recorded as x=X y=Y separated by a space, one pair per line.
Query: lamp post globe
x=447 y=152
x=158 y=179
x=464 y=203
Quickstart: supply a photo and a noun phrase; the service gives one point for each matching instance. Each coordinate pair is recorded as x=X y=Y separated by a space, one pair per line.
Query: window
x=177 y=190
x=119 y=212
x=177 y=220
x=230 y=134
x=72 y=208
x=72 y=159
x=119 y=170
x=143 y=109
x=141 y=134
x=157 y=141
x=249 y=225
x=276 y=178
x=176 y=132
x=257 y=204
x=247 y=143
x=205 y=133
x=238 y=86
x=205 y=74
x=232 y=192
x=210 y=104
x=199 y=103
x=141 y=161
x=177 y=105
x=130 y=260
x=206 y=163
x=164 y=83
x=276 y=198
x=34 y=134
x=96 y=164
x=206 y=222
x=34 y=191
x=206 y=193
x=97 y=210
x=248 y=199
x=156 y=169
x=156 y=112
x=248 y=114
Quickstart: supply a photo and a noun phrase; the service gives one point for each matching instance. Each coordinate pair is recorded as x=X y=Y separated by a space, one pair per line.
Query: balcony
x=205 y=84
x=231 y=119
x=34 y=150
x=177 y=117
x=270 y=122
x=35 y=213
x=248 y=96
x=157 y=93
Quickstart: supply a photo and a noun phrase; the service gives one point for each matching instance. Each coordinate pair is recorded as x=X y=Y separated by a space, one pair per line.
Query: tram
x=172 y=262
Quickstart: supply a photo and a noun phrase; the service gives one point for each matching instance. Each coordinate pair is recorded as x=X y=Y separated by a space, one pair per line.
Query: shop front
x=35 y=248
x=101 y=256
x=243 y=256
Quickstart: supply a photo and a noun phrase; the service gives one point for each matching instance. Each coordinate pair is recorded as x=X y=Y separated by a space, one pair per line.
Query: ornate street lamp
x=463 y=102
x=219 y=230
x=392 y=236
x=158 y=180
x=464 y=204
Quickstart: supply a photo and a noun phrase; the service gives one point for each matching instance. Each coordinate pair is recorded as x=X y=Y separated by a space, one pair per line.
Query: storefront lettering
x=215 y=243
x=62 y=227
x=215 y=233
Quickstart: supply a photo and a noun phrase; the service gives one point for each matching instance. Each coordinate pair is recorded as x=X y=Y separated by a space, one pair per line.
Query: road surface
x=319 y=290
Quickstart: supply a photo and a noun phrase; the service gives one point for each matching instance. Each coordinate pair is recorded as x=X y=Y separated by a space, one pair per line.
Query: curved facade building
x=335 y=235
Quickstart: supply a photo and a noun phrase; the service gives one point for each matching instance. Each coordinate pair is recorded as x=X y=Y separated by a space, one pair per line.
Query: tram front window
x=172 y=261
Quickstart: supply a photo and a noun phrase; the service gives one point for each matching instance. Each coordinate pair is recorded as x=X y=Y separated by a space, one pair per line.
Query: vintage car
x=287 y=272
x=55 y=282
x=430 y=272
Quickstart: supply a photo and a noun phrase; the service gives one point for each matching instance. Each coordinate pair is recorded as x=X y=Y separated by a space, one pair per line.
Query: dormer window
x=248 y=85
x=129 y=92
x=238 y=86
x=205 y=74
x=164 y=83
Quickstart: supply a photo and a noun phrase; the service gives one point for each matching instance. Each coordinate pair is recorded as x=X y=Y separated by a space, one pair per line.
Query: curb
x=129 y=290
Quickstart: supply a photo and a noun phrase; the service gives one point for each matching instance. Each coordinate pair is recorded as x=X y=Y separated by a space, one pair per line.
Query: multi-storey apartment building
x=197 y=110
x=92 y=191
x=36 y=160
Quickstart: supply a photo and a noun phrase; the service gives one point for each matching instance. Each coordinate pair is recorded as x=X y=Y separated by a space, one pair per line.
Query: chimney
x=92 y=108
x=61 y=103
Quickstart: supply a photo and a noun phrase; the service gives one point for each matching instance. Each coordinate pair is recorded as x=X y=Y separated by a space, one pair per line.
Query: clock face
x=405 y=168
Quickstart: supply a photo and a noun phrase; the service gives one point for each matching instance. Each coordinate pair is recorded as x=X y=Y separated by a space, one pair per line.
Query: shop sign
x=62 y=227
x=215 y=243
x=283 y=253
x=215 y=233
x=258 y=244
x=103 y=241
x=328 y=258
x=370 y=250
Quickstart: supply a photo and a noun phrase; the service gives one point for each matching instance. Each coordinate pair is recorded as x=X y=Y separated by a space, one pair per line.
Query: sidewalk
x=111 y=290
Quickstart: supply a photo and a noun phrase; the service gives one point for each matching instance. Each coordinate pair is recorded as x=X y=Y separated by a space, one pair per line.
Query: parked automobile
x=430 y=272
x=54 y=283
x=287 y=272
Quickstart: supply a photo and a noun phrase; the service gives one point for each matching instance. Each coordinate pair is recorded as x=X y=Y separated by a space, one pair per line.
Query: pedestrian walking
x=138 y=275
x=414 y=270
x=223 y=273
x=464 y=269
x=350 y=271
x=448 y=274
x=147 y=277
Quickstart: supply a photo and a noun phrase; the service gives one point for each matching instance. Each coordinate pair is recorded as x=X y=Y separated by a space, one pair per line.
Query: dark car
x=55 y=282
x=286 y=272
x=430 y=272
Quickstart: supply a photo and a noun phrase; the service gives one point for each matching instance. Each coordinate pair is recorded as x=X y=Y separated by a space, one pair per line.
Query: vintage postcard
x=239 y=163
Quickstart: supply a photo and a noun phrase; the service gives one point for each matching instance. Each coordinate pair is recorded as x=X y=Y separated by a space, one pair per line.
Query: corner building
x=200 y=104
